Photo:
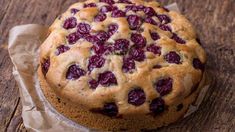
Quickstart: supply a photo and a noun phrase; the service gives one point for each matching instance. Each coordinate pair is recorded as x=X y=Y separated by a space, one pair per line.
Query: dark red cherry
x=136 y=97
x=121 y=46
x=90 y=5
x=106 y=8
x=93 y=84
x=95 y=61
x=157 y=106
x=131 y=8
x=45 y=66
x=178 y=39
x=110 y=109
x=74 y=11
x=112 y=28
x=107 y=79
x=154 y=35
x=128 y=64
x=149 y=11
x=83 y=28
x=164 y=19
x=154 y=49
x=138 y=40
x=165 y=27
x=100 y=17
x=151 y=21
x=70 y=23
x=108 y=1
x=134 y=21
x=137 y=54
x=197 y=64
x=124 y=1
x=164 y=86
x=75 y=72
x=118 y=13
x=172 y=57
x=61 y=49
x=73 y=37
x=102 y=36
x=102 y=49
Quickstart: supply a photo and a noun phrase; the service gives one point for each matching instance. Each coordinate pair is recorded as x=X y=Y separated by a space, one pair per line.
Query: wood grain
x=215 y=24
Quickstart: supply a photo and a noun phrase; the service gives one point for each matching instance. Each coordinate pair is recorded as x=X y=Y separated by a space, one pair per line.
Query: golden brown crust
x=184 y=74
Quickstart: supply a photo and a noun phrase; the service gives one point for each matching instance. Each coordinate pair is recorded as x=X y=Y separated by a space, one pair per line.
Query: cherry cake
x=121 y=65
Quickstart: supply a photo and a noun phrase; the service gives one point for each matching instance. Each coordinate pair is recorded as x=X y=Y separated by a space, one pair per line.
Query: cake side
x=97 y=121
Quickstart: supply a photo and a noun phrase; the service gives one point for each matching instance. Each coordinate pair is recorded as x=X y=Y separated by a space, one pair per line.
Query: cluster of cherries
x=133 y=53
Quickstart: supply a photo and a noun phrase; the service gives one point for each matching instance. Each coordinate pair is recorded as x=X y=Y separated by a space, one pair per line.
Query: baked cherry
x=102 y=36
x=166 y=9
x=107 y=79
x=90 y=5
x=131 y=8
x=93 y=84
x=70 y=23
x=74 y=11
x=137 y=54
x=102 y=49
x=118 y=13
x=124 y=1
x=108 y=1
x=128 y=64
x=100 y=17
x=172 y=57
x=151 y=21
x=107 y=8
x=177 y=39
x=121 y=46
x=73 y=37
x=197 y=64
x=164 y=19
x=165 y=27
x=95 y=61
x=138 y=40
x=134 y=8
x=112 y=28
x=154 y=35
x=136 y=97
x=61 y=49
x=149 y=11
x=154 y=49
x=45 y=66
x=134 y=21
x=75 y=72
x=110 y=109
x=93 y=39
x=164 y=86
x=157 y=106
x=83 y=28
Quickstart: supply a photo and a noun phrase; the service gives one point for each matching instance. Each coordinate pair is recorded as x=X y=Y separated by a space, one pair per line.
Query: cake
x=121 y=65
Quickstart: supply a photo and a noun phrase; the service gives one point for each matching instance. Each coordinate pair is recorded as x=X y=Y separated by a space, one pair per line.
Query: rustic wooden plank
x=215 y=24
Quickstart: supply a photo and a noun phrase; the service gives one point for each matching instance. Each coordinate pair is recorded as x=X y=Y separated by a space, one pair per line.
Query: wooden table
x=215 y=23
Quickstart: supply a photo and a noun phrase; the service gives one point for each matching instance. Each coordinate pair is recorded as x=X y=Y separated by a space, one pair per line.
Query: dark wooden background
x=215 y=23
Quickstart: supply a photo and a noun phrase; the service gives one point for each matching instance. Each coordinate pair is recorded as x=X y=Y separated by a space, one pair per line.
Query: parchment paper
x=37 y=113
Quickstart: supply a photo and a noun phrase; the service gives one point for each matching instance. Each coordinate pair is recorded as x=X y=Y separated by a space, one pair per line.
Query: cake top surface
x=121 y=57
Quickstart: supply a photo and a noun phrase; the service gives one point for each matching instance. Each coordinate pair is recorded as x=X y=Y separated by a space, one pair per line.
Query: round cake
x=121 y=64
